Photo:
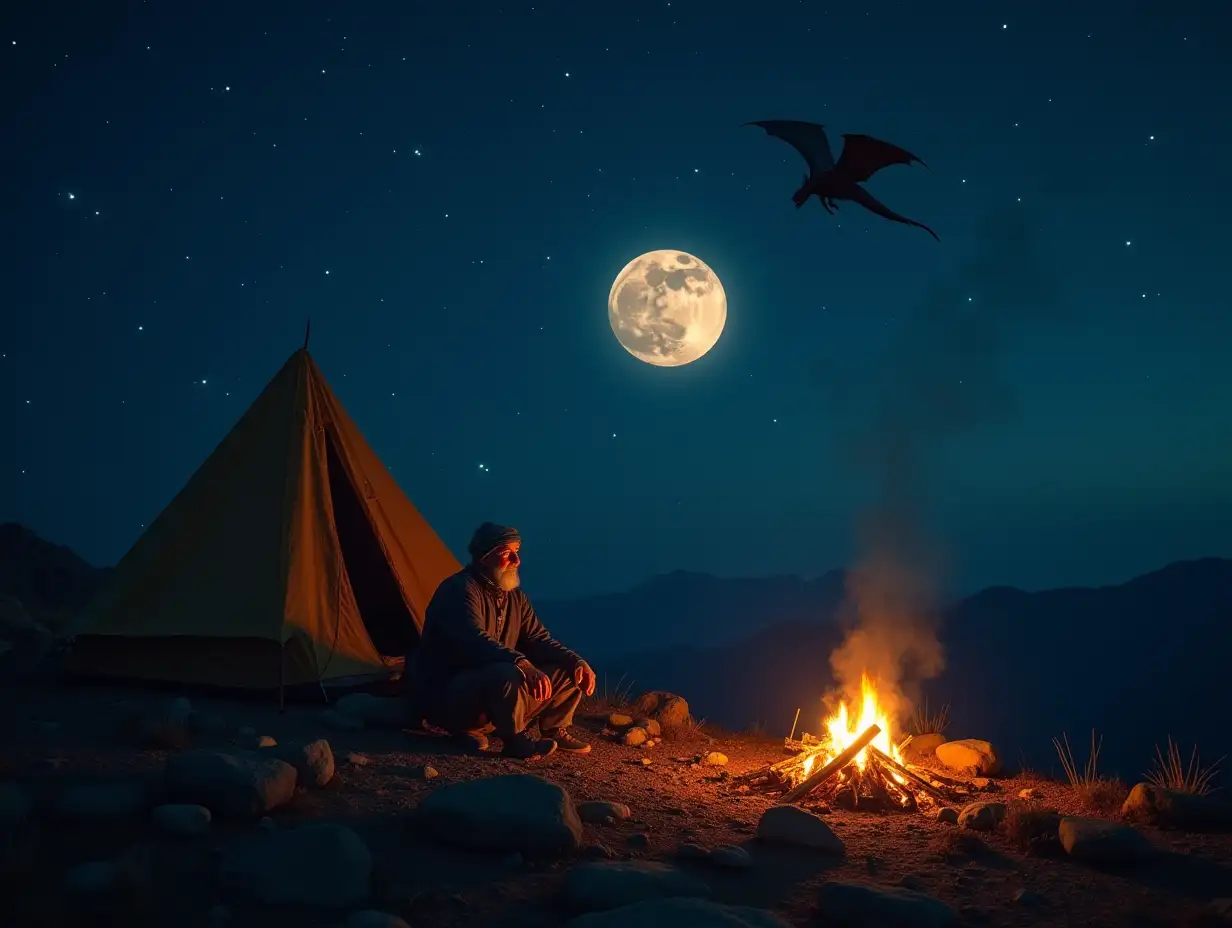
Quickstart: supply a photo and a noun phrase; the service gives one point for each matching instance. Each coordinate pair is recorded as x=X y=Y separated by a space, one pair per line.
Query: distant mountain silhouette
x=1138 y=662
x=47 y=578
x=685 y=609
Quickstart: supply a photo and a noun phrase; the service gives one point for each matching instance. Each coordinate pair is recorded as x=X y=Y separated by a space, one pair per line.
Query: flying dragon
x=863 y=156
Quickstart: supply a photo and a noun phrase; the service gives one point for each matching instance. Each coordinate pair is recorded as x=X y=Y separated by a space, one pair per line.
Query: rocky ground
x=86 y=775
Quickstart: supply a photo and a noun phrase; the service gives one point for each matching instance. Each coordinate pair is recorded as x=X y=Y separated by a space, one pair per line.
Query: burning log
x=844 y=758
x=898 y=768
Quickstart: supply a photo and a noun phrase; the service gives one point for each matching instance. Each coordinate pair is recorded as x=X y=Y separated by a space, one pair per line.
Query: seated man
x=485 y=660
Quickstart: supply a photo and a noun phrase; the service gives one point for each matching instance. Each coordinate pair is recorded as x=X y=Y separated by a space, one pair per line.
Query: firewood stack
x=814 y=772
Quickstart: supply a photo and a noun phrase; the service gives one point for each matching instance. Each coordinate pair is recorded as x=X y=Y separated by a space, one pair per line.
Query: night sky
x=448 y=191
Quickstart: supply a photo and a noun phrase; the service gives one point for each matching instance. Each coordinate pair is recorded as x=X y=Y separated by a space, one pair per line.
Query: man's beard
x=507 y=579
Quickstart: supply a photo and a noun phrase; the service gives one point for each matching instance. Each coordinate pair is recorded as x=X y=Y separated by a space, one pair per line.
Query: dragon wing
x=808 y=138
x=863 y=156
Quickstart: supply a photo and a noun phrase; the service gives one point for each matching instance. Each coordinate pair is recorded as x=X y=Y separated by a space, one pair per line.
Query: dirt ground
x=54 y=736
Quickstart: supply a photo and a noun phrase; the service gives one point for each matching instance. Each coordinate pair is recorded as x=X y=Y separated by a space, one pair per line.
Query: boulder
x=594 y=887
x=313 y=761
x=619 y=720
x=668 y=709
x=858 y=904
x=731 y=857
x=716 y=759
x=922 y=747
x=947 y=816
x=182 y=820
x=680 y=913
x=598 y=813
x=515 y=812
x=982 y=816
x=376 y=711
x=1099 y=841
x=969 y=755
x=788 y=824
x=316 y=865
x=243 y=784
x=1169 y=808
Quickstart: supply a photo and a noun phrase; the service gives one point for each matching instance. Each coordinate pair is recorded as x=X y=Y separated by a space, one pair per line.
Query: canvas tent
x=291 y=556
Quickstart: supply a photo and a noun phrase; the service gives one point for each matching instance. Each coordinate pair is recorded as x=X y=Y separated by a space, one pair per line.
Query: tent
x=290 y=557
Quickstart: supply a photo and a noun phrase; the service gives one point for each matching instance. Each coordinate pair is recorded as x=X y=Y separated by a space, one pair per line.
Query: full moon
x=667 y=308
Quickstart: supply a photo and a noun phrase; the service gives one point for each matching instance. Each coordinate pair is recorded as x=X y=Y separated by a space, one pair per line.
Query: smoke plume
x=940 y=378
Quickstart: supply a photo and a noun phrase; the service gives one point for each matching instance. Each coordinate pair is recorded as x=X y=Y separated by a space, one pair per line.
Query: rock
x=638 y=841
x=182 y=820
x=257 y=742
x=645 y=761
x=371 y=918
x=856 y=904
x=716 y=759
x=1169 y=808
x=922 y=747
x=1099 y=841
x=981 y=816
x=680 y=913
x=947 y=816
x=429 y=772
x=376 y=711
x=652 y=728
x=514 y=860
x=983 y=783
x=691 y=850
x=598 y=886
x=313 y=762
x=336 y=721
x=619 y=720
x=634 y=736
x=316 y=864
x=355 y=759
x=97 y=801
x=1029 y=793
x=597 y=851
x=912 y=882
x=243 y=784
x=668 y=709
x=515 y=812
x=799 y=827
x=247 y=731
x=597 y=813
x=1026 y=897
x=969 y=754
x=731 y=857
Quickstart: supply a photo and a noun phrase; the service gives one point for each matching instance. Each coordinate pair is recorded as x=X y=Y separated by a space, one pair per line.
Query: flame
x=844 y=727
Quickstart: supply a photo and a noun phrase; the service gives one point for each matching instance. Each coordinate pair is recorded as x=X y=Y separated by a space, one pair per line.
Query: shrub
x=1103 y=795
x=1170 y=773
x=1032 y=828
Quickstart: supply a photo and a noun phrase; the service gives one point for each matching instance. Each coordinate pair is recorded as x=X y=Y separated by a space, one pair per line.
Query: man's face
x=502 y=565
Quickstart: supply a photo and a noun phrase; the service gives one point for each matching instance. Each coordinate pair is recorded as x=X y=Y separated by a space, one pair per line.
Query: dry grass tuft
x=1170 y=773
x=955 y=843
x=923 y=722
x=1099 y=794
x=1032 y=828
x=689 y=728
x=618 y=696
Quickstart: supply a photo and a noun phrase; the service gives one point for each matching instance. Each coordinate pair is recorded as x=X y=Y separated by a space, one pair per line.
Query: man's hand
x=538 y=682
x=584 y=677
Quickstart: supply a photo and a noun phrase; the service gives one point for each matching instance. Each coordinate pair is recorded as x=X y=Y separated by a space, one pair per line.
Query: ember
x=855 y=765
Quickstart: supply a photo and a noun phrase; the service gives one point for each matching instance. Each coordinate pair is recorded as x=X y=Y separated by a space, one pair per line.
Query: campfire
x=855 y=765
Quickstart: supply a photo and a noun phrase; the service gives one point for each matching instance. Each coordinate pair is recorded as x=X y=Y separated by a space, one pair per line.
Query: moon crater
x=667 y=308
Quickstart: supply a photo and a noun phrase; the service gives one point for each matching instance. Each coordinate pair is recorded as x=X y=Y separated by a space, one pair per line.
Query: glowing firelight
x=844 y=728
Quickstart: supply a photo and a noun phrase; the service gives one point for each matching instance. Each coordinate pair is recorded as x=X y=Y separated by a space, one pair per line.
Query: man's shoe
x=473 y=741
x=566 y=741
x=524 y=747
